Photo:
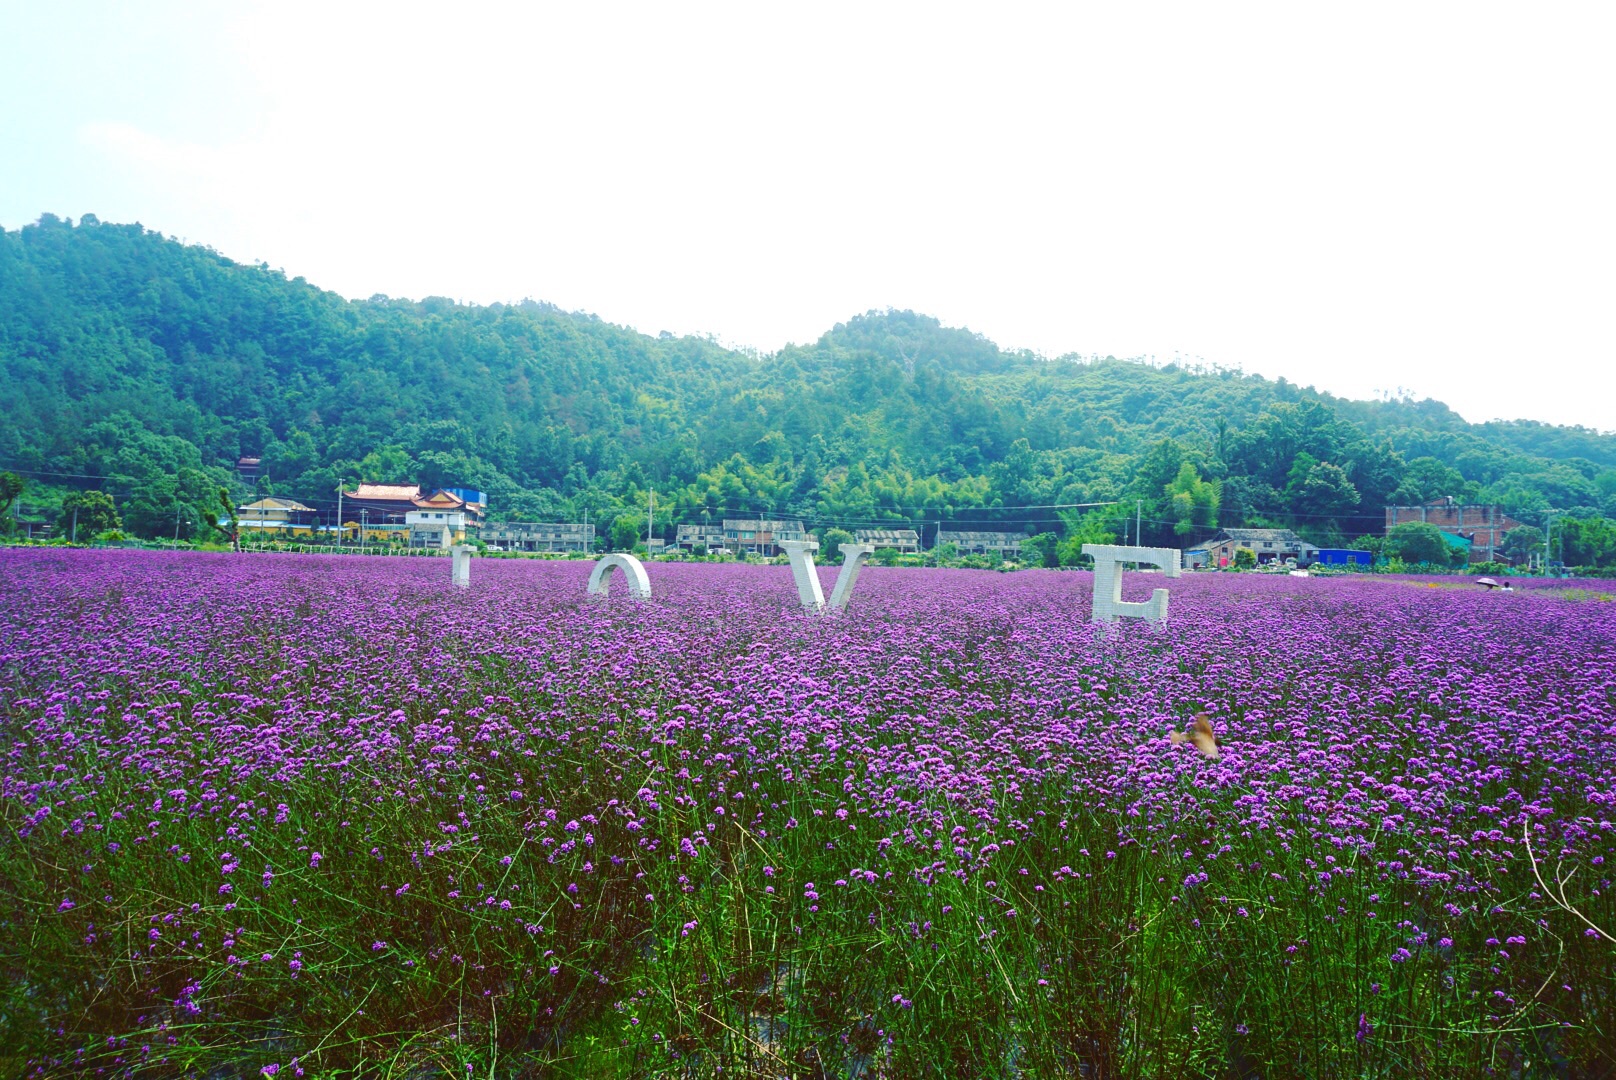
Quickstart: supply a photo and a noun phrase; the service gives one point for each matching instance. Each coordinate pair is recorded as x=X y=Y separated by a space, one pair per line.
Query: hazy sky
x=1362 y=197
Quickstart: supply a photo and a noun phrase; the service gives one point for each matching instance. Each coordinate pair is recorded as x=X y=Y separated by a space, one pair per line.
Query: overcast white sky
x=1361 y=197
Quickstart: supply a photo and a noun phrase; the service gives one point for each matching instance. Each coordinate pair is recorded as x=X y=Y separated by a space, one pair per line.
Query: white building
x=436 y=528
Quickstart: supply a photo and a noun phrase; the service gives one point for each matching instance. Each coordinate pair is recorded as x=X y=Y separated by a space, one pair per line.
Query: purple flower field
x=303 y=815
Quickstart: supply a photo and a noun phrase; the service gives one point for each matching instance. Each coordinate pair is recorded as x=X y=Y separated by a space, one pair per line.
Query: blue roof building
x=1344 y=557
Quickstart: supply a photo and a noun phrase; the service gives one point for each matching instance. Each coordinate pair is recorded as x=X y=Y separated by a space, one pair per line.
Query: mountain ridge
x=115 y=339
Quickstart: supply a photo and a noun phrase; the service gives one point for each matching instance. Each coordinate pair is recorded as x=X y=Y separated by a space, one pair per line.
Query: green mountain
x=143 y=367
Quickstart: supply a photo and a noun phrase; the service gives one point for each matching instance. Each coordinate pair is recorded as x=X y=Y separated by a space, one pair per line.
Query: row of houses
x=386 y=513
x=1477 y=530
x=539 y=536
x=375 y=513
x=759 y=536
x=397 y=513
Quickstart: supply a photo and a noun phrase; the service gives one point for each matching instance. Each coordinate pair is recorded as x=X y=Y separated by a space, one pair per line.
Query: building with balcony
x=436 y=528
x=553 y=536
x=280 y=517
x=978 y=542
x=1266 y=545
x=755 y=536
x=691 y=537
x=904 y=541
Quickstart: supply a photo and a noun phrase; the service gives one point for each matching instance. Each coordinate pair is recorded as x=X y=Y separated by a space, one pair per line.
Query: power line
x=821 y=517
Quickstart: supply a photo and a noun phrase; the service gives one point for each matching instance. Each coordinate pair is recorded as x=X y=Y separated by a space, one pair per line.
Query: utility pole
x=73 y=537
x=339 y=512
x=1548 y=533
x=176 y=521
x=1138 y=518
x=650 y=521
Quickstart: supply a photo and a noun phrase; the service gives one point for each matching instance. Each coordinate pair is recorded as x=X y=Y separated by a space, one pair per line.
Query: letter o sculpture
x=639 y=586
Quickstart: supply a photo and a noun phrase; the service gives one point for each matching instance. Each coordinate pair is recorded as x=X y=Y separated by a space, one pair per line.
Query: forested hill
x=143 y=367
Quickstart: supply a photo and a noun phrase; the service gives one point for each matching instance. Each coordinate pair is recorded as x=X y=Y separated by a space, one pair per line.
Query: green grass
x=1112 y=970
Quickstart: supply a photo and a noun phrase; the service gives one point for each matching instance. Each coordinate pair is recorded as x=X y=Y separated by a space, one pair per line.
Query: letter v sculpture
x=801 y=553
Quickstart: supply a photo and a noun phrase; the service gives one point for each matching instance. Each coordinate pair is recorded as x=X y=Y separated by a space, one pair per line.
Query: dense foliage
x=145 y=368
x=293 y=813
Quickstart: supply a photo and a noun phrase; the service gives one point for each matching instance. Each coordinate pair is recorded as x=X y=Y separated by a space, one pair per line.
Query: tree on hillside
x=1605 y=485
x=1042 y=549
x=1586 y=541
x=1267 y=448
x=85 y=514
x=387 y=464
x=11 y=488
x=625 y=532
x=1192 y=502
x=1093 y=527
x=1158 y=477
x=223 y=518
x=1521 y=543
x=1427 y=479
x=830 y=544
x=545 y=504
x=1325 y=492
x=1416 y=542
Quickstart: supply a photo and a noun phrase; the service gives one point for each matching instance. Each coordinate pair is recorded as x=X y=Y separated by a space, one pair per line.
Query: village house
x=446 y=500
x=977 y=542
x=752 y=536
x=1267 y=545
x=1483 y=526
x=708 y=537
x=373 y=508
x=1345 y=557
x=436 y=528
x=275 y=515
x=380 y=504
x=904 y=541
x=539 y=536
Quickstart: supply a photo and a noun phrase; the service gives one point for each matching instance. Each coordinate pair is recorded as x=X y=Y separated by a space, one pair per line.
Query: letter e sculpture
x=1108 y=603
